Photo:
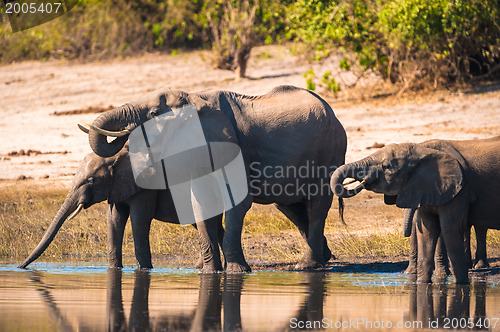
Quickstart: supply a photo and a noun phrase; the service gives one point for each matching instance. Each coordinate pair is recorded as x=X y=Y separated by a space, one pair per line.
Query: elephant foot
x=424 y=281
x=309 y=263
x=213 y=266
x=411 y=269
x=235 y=268
x=210 y=270
x=481 y=264
x=114 y=267
x=442 y=272
x=327 y=253
x=147 y=265
x=147 y=268
x=199 y=264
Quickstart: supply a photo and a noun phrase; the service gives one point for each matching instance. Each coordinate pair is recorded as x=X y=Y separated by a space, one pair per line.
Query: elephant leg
x=452 y=218
x=481 y=258
x=116 y=220
x=427 y=237
x=142 y=209
x=441 y=259
x=199 y=263
x=297 y=213
x=317 y=210
x=412 y=259
x=220 y=239
x=233 y=252
x=209 y=244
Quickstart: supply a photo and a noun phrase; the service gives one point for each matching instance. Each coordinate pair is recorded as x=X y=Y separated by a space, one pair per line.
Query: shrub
x=105 y=28
x=410 y=41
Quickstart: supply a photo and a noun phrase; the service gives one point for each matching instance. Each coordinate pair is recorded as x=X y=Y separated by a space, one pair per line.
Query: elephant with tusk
x=98 y=179
x=286 y=129
x=454 y=185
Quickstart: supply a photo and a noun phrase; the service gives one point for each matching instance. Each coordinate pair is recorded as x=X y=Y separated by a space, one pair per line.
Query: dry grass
x=373 y=230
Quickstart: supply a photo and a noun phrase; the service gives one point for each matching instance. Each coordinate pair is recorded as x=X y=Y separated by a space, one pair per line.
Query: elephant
x=288 y=128
x=441 y=256
x=454 y=184
x=98 y=179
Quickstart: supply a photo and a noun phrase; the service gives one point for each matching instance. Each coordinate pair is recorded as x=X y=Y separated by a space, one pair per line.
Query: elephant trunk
x=359 y=170
x=407 y=221
x=114 y=120
x=69 y=206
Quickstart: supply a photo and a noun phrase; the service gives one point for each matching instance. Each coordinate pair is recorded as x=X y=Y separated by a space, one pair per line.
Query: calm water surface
x=89 y=297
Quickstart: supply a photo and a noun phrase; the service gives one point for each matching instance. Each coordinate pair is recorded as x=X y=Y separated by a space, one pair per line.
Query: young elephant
x=98 y=179
x=441 y=256
x=455 y=184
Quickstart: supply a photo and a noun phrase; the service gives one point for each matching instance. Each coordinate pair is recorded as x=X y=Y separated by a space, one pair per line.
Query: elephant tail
x=341 y=210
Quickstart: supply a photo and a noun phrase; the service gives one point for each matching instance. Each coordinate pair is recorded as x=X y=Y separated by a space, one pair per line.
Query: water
x=89 y=297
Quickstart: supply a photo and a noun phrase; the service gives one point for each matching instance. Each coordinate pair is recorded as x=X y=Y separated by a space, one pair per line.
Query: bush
x=105 y=28
x=410 y=41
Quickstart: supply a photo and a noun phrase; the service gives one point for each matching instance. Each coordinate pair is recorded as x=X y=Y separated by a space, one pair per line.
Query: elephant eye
x=91 y=180
x=153 y=113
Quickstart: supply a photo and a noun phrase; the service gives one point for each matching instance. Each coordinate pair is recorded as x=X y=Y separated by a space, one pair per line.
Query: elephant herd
x=293 y=150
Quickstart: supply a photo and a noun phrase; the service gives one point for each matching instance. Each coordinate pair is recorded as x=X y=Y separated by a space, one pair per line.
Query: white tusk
x=359 y=186
x=110 y=133
x=84 y=128
x=348 y=181
x=78 y=209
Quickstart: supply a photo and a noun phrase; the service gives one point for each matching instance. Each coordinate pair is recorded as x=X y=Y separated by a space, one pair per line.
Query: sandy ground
x=32 y=91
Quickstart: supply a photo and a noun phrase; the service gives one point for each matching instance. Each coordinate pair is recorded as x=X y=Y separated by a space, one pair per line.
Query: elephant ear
x=435 y=178
x=123 y=184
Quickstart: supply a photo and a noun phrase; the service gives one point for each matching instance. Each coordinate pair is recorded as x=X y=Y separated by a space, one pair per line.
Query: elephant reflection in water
x=216 y=292
x=311 y=308
x=438 y=306
x=62 y=324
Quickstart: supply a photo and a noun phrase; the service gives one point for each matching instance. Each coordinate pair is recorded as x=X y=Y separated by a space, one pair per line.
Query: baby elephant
x=455 y=184
x=441 y=256
x=98 y=179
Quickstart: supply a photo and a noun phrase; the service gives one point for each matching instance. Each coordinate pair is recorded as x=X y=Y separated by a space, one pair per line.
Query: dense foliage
x=404 y=40
x=409 y=41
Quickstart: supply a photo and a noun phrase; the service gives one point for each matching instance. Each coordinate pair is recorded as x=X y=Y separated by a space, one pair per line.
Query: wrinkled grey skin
x=455 y=184
x=441 y=257
x=287 y=127
x=98 y=179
